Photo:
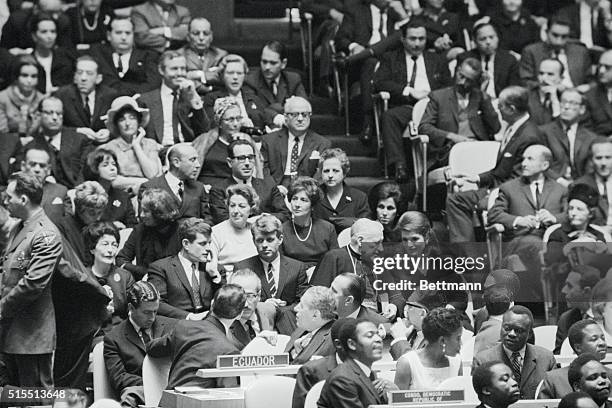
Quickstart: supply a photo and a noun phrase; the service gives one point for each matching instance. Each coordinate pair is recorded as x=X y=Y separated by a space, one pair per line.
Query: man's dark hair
x=518 y=97
x=480 y=26
x=277 y=47
x=36 y=145
x=109 y=27
x=474 y=64
x=522 y=310
x=27 y=185
x=39 y=18
x=573 y=373
x=559 y=63
x=575 y=334
x=571 y=400
x=349 y=331
x=237 y=142
x=508 y=279
x=190 y=227
x=416 y=22
x=556 y=20
x=356 y=286
x=481 y=376
x=336 y=327
x=228 y=301
x=589 y=275
x=497 y=300
x=142 y=292
x=87 y=57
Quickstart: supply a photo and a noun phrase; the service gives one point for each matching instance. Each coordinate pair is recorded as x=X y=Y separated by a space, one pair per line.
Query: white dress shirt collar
x=187 y=267
x=276 y=271
x=173 y=182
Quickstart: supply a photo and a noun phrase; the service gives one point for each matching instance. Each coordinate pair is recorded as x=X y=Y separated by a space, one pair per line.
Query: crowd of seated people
x=163 y=198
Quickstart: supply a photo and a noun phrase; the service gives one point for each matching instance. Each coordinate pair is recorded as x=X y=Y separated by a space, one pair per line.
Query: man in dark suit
x=10 y=151
x=599 y=98
x=587 y=374
x=185 y=287
x=273 y=83
x=284 y=279
x=574 y=57
x=500 y=68
x=180 y=181
x=586 y=336
x=125 y=345
x=27 y=314
x=409 y=74
x=320 y=369
x=315 y=315
x=194 y=345
x=520 y=133
x=353 y=383
x=69 y=149
x=528 y=363
x=86 y=100
x=526 y=206
x=366 y=23
x=37 y=162
x=177 y=111
x=600 y=180
x=587 y=22
x=250 y=324
x=495 y=385
x=350 y=291
x=284 y=159
x=578 y=287
x=544 y=105
x=241 y=161
x=497 y=302
x=125 y=68
x=458 y=114
x=569 y=141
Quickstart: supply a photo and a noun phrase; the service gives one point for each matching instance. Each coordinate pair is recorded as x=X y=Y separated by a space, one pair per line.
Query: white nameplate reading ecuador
x=416 y=397
x=262 y=360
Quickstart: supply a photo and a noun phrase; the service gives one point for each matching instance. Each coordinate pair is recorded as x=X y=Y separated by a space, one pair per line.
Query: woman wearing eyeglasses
x=212 y=145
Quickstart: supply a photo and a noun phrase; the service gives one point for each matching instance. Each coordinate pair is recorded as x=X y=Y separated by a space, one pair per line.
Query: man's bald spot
x=606 y=57
x=542 y=151
x=200 y=20
x=297 y=103
x=179 y=150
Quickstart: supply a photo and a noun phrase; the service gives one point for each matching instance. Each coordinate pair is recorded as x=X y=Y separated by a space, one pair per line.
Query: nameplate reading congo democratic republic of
x=262 y=360
x=415 y=397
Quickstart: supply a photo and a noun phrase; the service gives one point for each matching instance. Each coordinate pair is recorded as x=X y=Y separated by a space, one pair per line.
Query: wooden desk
x=207 y=398
x=548 y=403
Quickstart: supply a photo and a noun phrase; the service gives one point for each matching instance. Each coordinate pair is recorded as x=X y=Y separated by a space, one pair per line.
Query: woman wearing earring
x=426 y=368
x=305 y=237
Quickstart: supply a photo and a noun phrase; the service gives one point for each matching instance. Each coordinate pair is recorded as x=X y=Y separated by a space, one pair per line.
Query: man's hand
x=545 y=217
x=419 y=94
x=528 y=221
x=383 y=386
x=279 y=120
x=443 y=43
x=457 y=138
x=336 y=15
x=357 y=49
x=461 y=179
x=270 y=336
x=4 y=216
x=398 y=7
x=197 y=316
x=276 y=302
x=119 y=225
x=564 y=182
x=20 y=51
x=158 y=31
x=390 y=311
x=399 y=330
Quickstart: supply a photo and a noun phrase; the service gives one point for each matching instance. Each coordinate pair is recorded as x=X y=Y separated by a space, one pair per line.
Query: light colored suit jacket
x=488 y=335
x=147 y=16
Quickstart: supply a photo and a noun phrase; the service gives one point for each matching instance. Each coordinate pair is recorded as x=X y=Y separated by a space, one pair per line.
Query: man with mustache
x=495 y=385
x=528 y=363
x=587 y=374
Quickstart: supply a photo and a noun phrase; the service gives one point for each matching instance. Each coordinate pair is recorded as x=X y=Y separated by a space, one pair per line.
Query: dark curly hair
x=307 y=185
x=440 y=322
x=93 y=232
x=161 y=204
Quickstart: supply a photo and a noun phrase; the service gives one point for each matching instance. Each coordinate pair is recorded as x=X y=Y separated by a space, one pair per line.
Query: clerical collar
x=354 y=253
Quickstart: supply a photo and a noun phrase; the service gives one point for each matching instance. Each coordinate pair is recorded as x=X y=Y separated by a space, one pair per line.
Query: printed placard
x=253 y=361
x=416 y=397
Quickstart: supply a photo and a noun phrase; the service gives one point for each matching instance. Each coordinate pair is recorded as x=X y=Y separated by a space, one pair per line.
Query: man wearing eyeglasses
x=241 y=160
x=599 y=98
x=569 y=141
x=69 y=149
x=574 y=56
x=294 y=150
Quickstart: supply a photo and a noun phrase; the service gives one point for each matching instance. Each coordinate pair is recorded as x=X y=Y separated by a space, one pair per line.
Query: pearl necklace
x=93 y=26
x=296 y=233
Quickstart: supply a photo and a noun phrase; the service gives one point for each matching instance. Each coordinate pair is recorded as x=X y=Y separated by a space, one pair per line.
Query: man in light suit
x=31 y=256
x=528 y=363
x=520 y=133
x=599 y=98
x=180 y=181
x=574 y=57
x=320 y=369
x=585 y=336
x=177 y=111
x=587 y=22
x=278 y=148
x=185 y=287
x=353 y=383
x=586 y=373
x=495 y=385
x=125 y=345
x=241 y=159
x=194 y=345
x=127 y=69
x=284 y=279
x=497 y=302
x=600 y=180
x=273 y=83
x=160 y=24
x=315 y=315
x=569 y=141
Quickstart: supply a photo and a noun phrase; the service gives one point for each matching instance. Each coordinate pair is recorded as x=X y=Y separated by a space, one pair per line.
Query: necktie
x=381 y=25
x=538 y=196
x=548 y=103
x=175 y=121
x=119 y=66
x=414 y=72
x=270 y=278
x=86 y=108
x=240 y=333
x=486 y=64
x=181 y=190
x=516 y=366
x=274 y=88
x=372 y=376
x=145 y=336
x=195 y=288
x=506 y=139
x=295 y=152
x=250 y=329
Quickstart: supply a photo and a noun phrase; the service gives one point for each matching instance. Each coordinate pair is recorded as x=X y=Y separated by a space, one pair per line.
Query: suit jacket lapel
x=78 y=103
x=603 y=100
x=265 y=90
x=294 y=336
x=548 y=184
x=454 y=105
x=525 y=187
x=306 y=147
x=132 y=336
x=563 y=139
x=283 y=276
x=181 y=273
x=283 y=143
x=529 y=365
x=283 y=88
x=367 y=383
x=157 y=112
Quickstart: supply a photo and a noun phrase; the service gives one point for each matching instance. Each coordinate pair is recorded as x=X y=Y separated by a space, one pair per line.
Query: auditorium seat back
x=155 y=372
x=101 y=384
x=269 y=392
x=313 y=395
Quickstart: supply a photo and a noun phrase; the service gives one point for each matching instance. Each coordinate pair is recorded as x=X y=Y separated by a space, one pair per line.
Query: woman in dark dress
x=156 y=235
x=306 y=237
x=339 y=203
x=515 y=25
x=102 y=167
x=385 y=204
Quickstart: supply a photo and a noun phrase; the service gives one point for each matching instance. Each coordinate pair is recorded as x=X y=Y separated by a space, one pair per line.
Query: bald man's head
x=604 y=70
x=184 y=162
x=536 y=160
x=297 y=115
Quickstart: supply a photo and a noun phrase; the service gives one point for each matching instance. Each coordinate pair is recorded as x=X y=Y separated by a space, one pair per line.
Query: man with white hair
x=356 y=257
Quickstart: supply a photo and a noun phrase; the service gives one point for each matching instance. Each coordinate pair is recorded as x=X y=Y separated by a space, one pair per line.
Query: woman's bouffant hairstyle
x=89 y=194
x=336 y=153
x=307 y=185
x=93 y=232
x=247 y=192
x=160 y=204
x=94 y=159
x=440 y=322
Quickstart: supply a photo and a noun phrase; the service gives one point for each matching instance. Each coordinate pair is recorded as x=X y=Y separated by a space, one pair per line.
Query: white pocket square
x=507 y=154
x=57 y=200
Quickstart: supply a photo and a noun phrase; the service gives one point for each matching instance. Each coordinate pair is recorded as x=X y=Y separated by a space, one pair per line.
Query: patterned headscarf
x=221 y=106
